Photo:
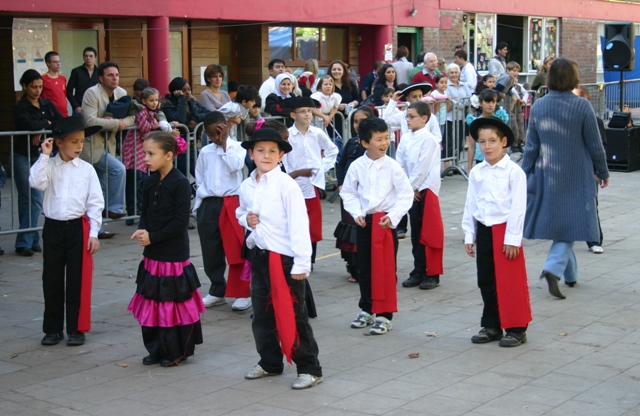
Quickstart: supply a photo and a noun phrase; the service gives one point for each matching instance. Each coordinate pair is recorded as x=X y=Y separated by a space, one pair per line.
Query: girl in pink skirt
x=167 y=302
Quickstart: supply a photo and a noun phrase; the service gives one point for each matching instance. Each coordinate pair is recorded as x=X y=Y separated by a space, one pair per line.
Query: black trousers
x=135 y=179
x=487 y=279
x=208 y=216
x=174 y=343
x=418 y=249
x=364 y=267
x=62 y=254
x=305 y=350
x=402 y=225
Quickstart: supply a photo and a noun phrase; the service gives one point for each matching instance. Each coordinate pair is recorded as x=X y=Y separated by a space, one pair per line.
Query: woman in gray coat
x=562 y=152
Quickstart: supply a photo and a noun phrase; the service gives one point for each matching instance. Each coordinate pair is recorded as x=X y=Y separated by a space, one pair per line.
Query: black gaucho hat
x=491 y=121
x=267 y=135
x=424 y=86
x=299 y=102
x=65 y=126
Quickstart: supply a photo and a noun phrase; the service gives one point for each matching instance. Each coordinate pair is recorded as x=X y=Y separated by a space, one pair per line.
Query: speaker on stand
x=619 y=54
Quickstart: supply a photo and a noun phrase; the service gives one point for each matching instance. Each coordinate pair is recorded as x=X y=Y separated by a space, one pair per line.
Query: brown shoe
x=106 y=235
x=116 y=215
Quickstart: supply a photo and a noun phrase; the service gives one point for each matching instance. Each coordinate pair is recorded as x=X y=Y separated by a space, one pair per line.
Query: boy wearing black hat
x=272 y=208
x=72 y=207
x=493 y=219
x=312 y=156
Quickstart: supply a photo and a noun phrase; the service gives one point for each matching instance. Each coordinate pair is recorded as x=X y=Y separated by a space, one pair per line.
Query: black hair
x=140 y=84
x=461 y=53
x=29 y=76
x=90 y=49
x=232 y=86
x=381 y=78
x=369 y=111
x=49 y=55
x=274 y=124
x=481 y=87
x=498 y=131
x=105 y=65
x=275 y=61
x=439 y=77
x=388 y=91
x=369 y=126
x=258 y=102
x=213 y=117
x=488 y=95
x=501 y=45
x=164 y=140
x=421 y=108
x=420 y=57
x=245 y=93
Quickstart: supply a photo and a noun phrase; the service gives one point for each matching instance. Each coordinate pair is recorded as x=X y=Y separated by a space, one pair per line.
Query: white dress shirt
x=267 y=87
x=373 y=186
x=219 y=172
x=307 y=154
x=469 y=77
x=234 y=109
x=396 y=119
x=71 y=190
x=419 y=156
x=496 y=194
x=283 y=225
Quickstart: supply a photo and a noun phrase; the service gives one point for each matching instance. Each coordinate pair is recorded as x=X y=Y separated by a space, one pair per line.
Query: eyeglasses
x=410 y=117
x=304 y=112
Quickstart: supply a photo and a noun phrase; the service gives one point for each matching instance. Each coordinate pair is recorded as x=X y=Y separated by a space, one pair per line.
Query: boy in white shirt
x=72 y=207
x=312 y=156
x=419 y=156
x=237 y=110
x=493 y=219
x=218 y=178
x=272 y=208
x=377 y=194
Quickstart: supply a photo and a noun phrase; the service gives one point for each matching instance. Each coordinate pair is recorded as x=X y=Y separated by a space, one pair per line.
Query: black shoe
x=413 y=281
x=168 y=362
x=402 y=234
x=1 y=252
x=25 y=252
x=552 y=280
x=36 y=249
x=487 y=335
x=76 y=339
x=513 y=339
x=150 y=360
x=429 y=283
x=52 y=339
x=570 y=284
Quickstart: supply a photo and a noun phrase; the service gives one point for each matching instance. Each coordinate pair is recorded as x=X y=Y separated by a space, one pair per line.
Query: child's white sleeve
x=469 y=223
x=515 y=220
x=39 y=173
x=165 y=126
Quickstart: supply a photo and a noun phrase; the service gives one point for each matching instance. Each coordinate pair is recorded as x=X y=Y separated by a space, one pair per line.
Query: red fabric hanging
x=383 y=268
x=232 y=239
x=432 y=233
x=84 y=315
x=283 y=310
x=314 y=211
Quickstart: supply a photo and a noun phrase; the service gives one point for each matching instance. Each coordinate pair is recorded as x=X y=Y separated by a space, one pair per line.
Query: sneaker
x=596 y=249
x=258 y=372
x=381 y=326
x=305 y=381
x=487 y=335
x=76 y=339
x=513 y=339
x=210 y=301
x=241 y=304
x=362 y=320
x=52 y=339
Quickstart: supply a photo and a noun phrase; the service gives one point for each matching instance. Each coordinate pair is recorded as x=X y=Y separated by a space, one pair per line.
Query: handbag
x=120 y=108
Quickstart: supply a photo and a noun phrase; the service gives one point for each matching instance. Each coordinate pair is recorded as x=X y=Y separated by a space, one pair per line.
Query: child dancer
x=329 y=102
x=72 y=207
x=272 y=208
x=419 y=156
x=377 y=194
x=238 y=110
x=167 y=302
x=346 y=231
x=284 y=87
x=495 y=226
x=487 y=100
x=387 y=95
x=312 y=156
x=218 y=177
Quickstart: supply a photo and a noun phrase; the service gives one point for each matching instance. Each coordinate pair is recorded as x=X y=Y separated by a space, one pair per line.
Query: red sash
x=232 y=239
x=314 y=211
x=283 y=301
x=84 y=315
x=512 y=286
x=383 y=268
x=432 y=233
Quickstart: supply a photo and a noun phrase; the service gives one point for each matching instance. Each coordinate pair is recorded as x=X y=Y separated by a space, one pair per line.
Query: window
x=175 y=54
x=298 y=44
x=543 y=41
x=484 y=30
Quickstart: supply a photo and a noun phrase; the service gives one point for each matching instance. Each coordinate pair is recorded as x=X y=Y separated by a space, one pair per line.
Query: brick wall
x=441 y=40
x=578 y=41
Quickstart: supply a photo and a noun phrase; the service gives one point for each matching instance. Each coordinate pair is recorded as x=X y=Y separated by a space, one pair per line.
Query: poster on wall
x=484 y=39
x=31 y=41
x=535 y=52
x=550 y=37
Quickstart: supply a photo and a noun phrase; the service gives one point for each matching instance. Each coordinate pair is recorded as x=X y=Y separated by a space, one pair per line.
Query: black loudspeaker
x=623 y=149
x=618 y=53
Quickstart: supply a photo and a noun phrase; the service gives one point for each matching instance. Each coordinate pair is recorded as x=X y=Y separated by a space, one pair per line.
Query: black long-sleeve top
x=28 y=117
x=183 y=111
x=349 y=93
x=352 y=150
x=166 y=205
x=271 y=105
x=79 y=82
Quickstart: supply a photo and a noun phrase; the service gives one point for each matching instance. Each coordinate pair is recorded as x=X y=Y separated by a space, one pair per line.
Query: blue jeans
x=21 y=165
x=113 y=187
x=561 y=261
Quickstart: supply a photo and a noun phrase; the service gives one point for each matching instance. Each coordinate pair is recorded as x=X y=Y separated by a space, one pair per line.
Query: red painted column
x=158 y=41
x=382 y=36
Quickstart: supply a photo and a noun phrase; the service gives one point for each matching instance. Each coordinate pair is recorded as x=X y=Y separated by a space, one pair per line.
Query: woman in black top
x=386 y=79
x=31 y=113
x=346 y=87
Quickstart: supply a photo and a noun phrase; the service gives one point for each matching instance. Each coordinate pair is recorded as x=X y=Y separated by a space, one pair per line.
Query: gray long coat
x=563 y=147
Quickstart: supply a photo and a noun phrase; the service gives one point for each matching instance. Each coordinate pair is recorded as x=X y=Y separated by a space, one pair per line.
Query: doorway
x=228 y=55
x=410 y=37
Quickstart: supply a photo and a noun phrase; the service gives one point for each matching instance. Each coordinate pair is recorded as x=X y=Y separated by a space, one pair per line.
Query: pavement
x=582 y=356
